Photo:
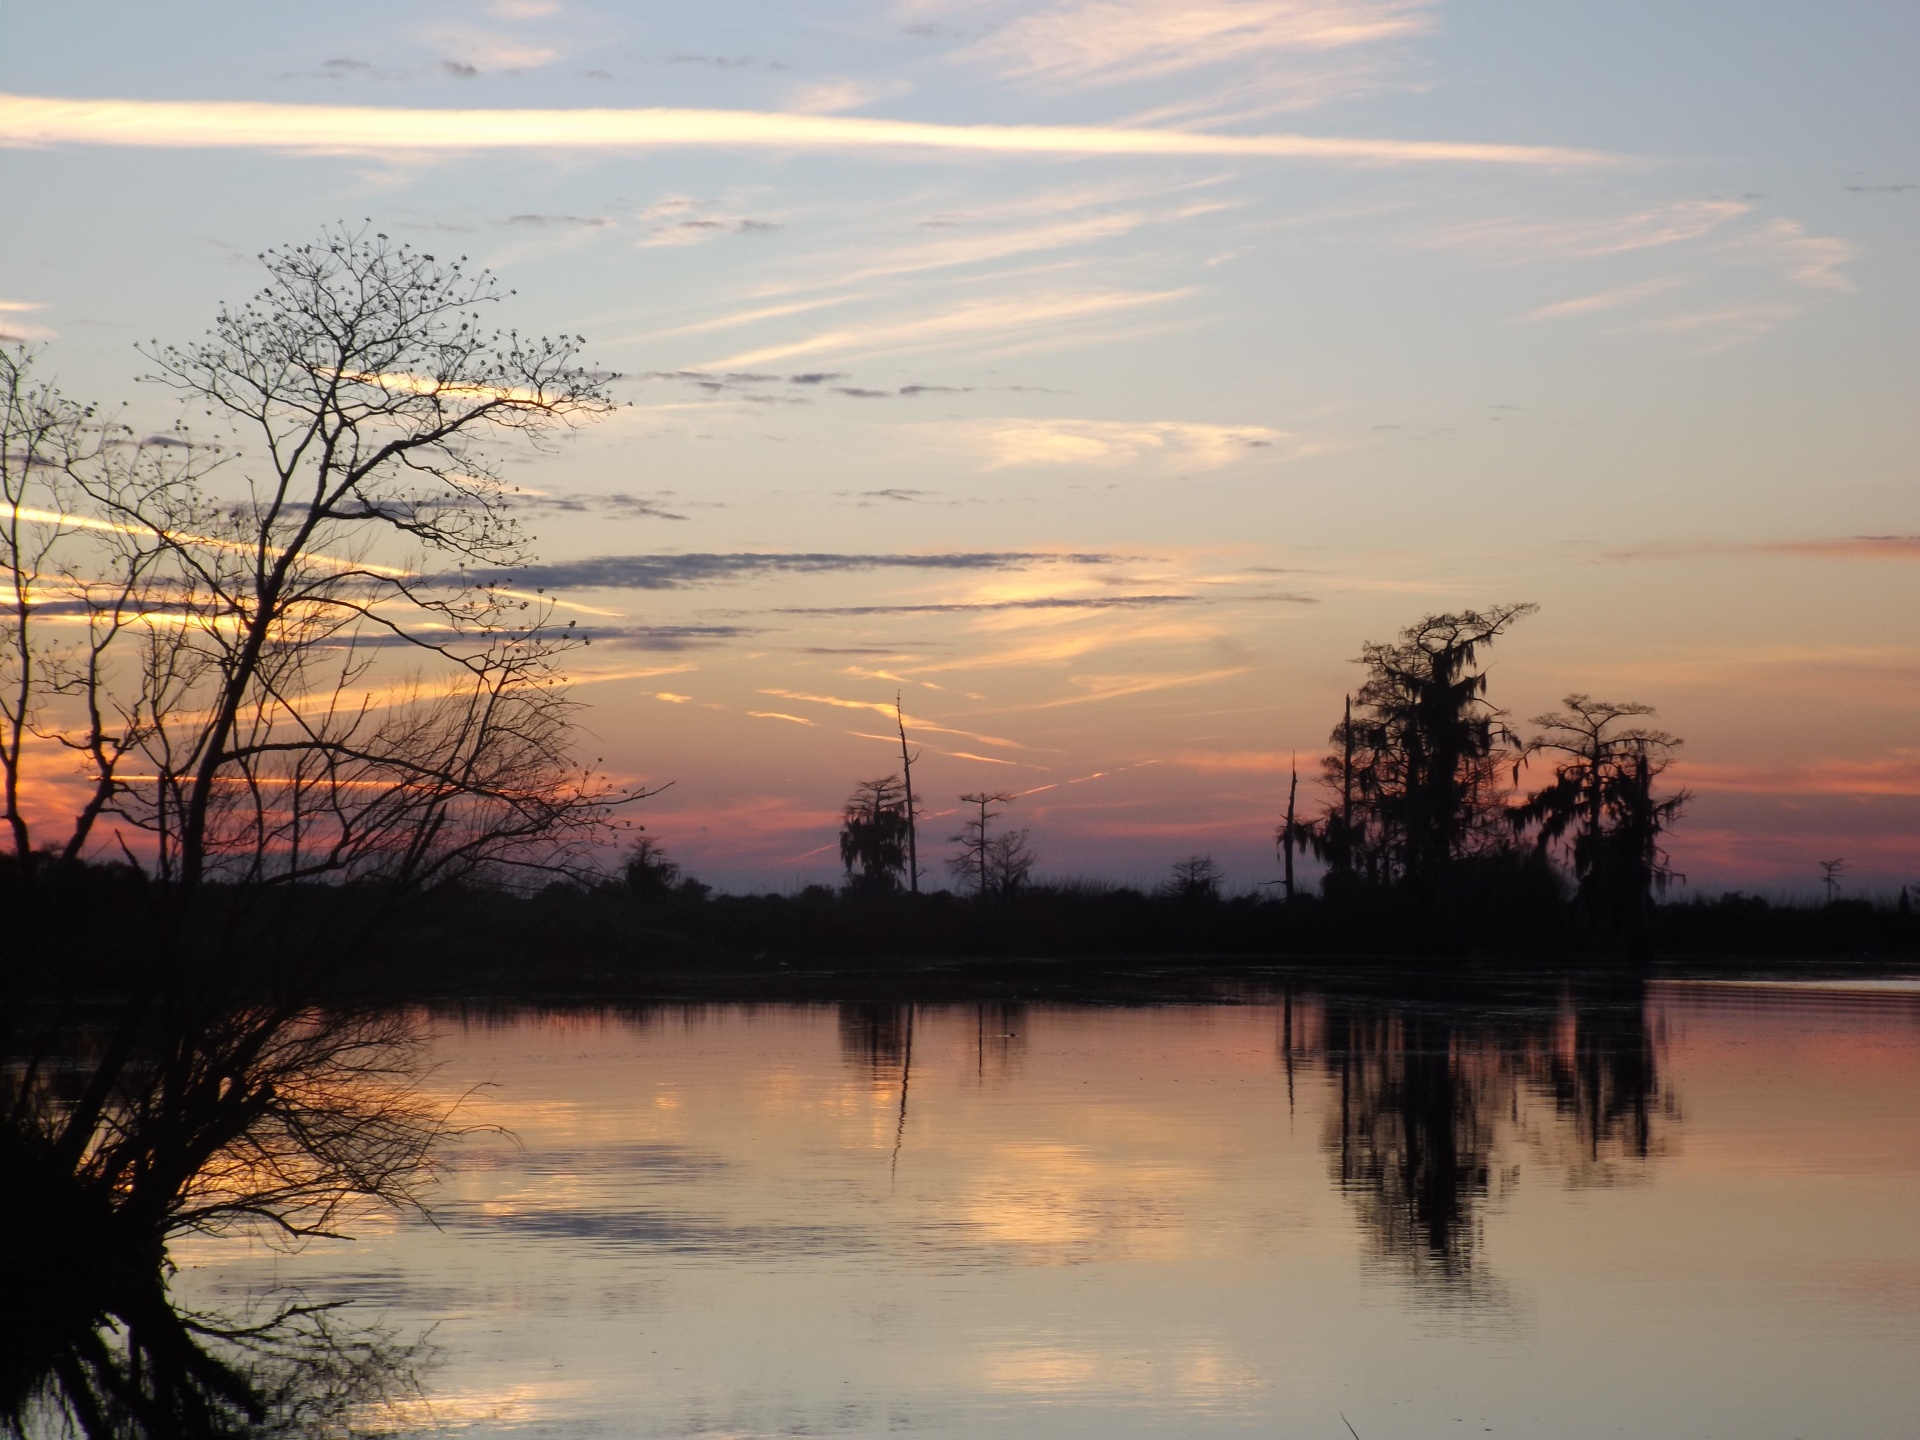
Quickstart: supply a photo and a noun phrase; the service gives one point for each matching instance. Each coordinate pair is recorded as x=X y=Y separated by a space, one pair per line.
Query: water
x=1688 y=1209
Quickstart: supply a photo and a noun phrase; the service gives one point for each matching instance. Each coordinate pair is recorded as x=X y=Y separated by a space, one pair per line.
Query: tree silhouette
x=1830 y=873
x=649 y=874
x=256 y=693
x=974 y=864
x=1600 y=806
x=874 y=833
x=1415 y=769
x=1010 y=862
x=1197 y=877
x=906 y=785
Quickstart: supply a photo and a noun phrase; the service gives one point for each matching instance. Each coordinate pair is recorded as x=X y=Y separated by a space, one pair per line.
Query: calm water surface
x=1679 y=1210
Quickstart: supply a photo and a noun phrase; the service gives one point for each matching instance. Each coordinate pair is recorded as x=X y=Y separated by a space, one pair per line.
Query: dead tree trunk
x=906 y=770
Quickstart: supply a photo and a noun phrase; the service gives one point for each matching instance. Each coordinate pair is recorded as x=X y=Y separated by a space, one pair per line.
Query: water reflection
x=1436 y=1085
x=133 y=1366
x=1435 y=1207
x=174 y=1116
x=877 y=1038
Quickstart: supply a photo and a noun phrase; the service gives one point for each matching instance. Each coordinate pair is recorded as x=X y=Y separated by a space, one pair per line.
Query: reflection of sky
x=1112 y=1222
x=1607 y=307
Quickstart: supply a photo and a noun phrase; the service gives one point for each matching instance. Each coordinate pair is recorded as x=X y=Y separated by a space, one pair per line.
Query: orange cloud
x=1895 y=774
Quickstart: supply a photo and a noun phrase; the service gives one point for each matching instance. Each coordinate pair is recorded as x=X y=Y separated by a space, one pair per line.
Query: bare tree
x=974 y=864
x=1010 y=862
x=1290 y=832
x=75 y=584
x=291 y=659
x=298 y=710
x=906 y=783
x=1830 y=873
x=1197 y=877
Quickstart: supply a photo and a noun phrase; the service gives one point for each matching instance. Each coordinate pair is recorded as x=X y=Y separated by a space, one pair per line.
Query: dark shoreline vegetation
x=578 y=940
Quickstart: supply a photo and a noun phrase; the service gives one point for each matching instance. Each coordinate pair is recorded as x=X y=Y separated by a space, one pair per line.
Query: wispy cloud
x=670 y=637
x=1813 y=261
x=830 y=97
x=1258 y=762
x=1894 y=774
x=471 y=51
x=908 y=259
x=999 y=318
x=15 y=329
x=1096 y=688
x=381 y=130
x=1604 y=300
x=1165 y=444
x=1838 y=547
x=618 y=505
x=1509 y=238
x=1850 y=547
x=674 y=572
x=914 y=723
x=1088 y=42
x=1045 y=602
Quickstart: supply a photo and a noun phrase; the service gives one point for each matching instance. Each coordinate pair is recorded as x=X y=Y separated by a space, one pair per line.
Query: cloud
x=882 y=707
x=1813 y=261
x=1850 y=547
x=1167 y=444
x=829 y=97
x=779 y=715
x=383 y=130
x=909 y=258
x=570 y=222
x=618 y=505
x=683 y=220
x=1259 y=762
x=997 y=318
x=675 y=572
x=1895 y=774
x=1604 y=300
x=1840 y=547
x=474 y=51
x=1723 y=327
x=20 y=330
x=1508 y=238
x=1046 y=602
x=670 y=637
x=1094 y=42
x=1114 y=687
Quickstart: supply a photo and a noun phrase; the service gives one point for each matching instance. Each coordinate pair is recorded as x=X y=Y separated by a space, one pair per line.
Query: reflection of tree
x=1433 y=1093
x=875 y=1035
x=202 y=1118
x=1604 y=1081
x=1412 y=1138
x=140 y=1369
x=999 y=1038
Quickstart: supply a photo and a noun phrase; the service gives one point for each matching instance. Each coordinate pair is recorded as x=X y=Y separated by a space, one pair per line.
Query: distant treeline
x=629 y=934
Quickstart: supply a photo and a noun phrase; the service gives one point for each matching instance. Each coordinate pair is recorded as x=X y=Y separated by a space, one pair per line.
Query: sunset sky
x=1100 y=374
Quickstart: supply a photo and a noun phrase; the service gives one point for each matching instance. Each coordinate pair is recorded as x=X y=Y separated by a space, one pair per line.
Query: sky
x=1099 y=375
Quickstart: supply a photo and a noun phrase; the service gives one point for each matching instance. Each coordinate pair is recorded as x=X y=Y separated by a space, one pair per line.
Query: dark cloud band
x=676 y=572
